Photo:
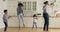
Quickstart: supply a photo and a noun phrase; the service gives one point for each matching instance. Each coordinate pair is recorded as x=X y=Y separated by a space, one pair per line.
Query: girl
x=35 y=20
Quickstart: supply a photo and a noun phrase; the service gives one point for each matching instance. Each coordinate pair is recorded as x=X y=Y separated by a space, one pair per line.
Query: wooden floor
x=29 y=30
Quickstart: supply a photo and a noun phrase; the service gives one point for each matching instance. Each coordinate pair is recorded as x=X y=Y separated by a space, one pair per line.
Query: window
x=29 y=5
x=34 y=5
x=24 y=7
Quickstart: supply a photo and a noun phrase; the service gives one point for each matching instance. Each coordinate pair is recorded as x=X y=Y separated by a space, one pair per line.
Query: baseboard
x=37 y=27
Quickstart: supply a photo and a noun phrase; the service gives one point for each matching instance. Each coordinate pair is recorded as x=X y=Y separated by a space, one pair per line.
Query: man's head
x=46 y=2
x=20 y=5
x=5 y=11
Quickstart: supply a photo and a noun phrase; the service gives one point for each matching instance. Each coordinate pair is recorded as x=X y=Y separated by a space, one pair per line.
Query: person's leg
x=47 y=26
x=6 y=25
x=44 y=26
x=47 y=22
x=36 y=25
x=19 y=20
x=22 y=19
x=44 y=22
x=33 y=25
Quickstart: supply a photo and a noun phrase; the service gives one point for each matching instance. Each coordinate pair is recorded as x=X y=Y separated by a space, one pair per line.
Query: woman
x=46 y=16
x=20 y=14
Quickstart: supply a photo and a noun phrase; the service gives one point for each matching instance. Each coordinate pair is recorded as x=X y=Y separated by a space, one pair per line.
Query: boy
x=35 y=20
x=5 y=19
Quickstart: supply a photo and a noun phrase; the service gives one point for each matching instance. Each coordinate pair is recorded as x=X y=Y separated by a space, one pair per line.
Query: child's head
x=20 y=5
x=35 y=15
x=5 y=11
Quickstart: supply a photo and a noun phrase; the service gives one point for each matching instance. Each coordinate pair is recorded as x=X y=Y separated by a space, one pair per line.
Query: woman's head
x=20 y=5
x=46 y=2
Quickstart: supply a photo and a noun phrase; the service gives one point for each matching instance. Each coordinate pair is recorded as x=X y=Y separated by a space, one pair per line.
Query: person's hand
x=23 y=14
x=9 y=16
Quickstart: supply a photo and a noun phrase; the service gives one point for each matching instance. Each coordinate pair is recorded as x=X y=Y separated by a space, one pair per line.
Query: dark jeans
x=46 y=24
x=6 y=25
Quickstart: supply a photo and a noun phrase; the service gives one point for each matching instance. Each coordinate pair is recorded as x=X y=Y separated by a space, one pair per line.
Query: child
x=35 y=20
x=5 y=19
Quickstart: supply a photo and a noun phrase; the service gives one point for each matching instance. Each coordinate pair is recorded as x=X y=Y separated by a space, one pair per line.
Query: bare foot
x=32 y=27
x=5 y=31
x=44 y=31
x=24 y=25
x=36 y=27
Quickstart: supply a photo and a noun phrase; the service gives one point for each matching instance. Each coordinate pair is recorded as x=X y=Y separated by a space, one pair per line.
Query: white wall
x=3 y=5
x=53 y=22
x=13 y=22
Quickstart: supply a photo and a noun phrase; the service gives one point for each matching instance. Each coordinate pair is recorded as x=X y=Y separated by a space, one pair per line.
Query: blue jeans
x=20 y=18
x=46 y=18
x=34 y=24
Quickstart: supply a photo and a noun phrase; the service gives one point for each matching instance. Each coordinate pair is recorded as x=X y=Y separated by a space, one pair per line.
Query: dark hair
x=20 y=4
x=5 y=11
x=34 y=15
x=45 y=2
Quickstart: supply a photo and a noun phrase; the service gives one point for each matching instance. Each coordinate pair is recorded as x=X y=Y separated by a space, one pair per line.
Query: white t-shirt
x=5 y=17
x=35 y=20
x=47 y=8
